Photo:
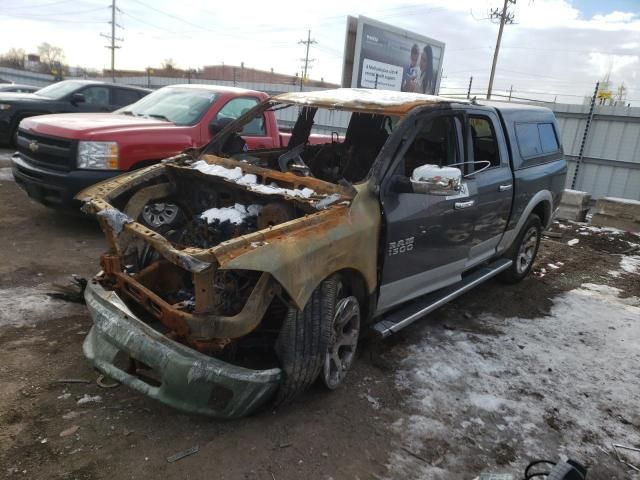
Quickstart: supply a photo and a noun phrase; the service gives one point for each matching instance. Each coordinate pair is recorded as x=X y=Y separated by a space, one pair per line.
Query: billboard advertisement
x=384 y=57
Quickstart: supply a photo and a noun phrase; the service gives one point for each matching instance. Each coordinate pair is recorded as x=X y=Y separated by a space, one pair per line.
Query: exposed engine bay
x=207 y=207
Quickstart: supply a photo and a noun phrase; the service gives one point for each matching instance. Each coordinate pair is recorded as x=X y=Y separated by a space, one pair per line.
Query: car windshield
x=59 y=90
x=182 y=106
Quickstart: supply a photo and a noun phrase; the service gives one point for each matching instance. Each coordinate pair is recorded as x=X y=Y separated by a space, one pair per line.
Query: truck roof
x=365 y=99
x=217 y=88
x=508 y=107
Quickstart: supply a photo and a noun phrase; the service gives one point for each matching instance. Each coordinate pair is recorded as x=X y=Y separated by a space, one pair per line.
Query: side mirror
x=77 y=98
x=435 y=180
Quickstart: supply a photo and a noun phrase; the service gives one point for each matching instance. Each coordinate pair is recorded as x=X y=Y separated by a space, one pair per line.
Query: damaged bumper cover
x=185 y=379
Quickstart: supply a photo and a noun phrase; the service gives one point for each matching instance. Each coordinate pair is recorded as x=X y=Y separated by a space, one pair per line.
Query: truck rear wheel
x=319 y=338
x=523 y=251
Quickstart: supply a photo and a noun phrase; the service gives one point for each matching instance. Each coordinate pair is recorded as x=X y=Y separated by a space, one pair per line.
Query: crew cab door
x=255 y=132
x=427 y=237
x=494 y=185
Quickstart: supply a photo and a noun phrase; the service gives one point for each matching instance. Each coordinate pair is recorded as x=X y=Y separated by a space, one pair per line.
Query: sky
x=555 y=50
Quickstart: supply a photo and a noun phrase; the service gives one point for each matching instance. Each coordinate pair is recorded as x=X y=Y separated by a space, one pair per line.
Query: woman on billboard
x=426 y=83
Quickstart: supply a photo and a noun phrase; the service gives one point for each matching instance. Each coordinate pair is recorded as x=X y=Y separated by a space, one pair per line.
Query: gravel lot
x=501 y=376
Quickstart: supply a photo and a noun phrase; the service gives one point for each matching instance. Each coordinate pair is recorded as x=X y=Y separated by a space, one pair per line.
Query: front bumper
x=55 y=188
x=188 y=380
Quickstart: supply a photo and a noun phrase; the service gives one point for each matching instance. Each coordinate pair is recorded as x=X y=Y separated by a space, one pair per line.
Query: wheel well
x=543 y=210
x=358 y=288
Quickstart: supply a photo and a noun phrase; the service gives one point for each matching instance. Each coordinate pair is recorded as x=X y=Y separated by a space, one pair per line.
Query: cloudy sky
x=556 y=48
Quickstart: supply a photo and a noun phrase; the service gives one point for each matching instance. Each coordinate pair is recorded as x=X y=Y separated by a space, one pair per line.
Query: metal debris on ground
x=185 y=453
x=74 y=292
x=101 y=383
x=616 y=446
x=71 y=380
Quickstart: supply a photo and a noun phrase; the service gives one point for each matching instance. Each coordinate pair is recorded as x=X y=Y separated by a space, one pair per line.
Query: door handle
x=461 y=205
x=504 y=188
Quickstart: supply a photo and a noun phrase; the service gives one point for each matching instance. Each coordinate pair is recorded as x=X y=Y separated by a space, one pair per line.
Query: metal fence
x=610 y=166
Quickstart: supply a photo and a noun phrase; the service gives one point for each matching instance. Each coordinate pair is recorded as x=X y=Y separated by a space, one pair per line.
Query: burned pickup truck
x=274 y=261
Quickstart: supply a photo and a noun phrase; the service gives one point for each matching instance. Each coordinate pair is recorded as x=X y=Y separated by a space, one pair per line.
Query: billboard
x=381 y=56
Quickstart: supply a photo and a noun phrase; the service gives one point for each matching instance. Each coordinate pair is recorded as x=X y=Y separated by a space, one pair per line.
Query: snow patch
x=250 y=180
x=630 y=264
x=6 y=175
x=22 y=306
x=236 y=214
x=547 y=369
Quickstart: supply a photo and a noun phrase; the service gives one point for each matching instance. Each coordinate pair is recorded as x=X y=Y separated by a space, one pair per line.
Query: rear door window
x=124 y=97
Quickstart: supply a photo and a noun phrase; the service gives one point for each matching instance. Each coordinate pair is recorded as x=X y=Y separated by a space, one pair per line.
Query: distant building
x=32 y=62
x=244 y=74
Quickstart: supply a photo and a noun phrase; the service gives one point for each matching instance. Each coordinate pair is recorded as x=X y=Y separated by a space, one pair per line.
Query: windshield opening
x=59 y=90
x=181 y=106
x=331 y=145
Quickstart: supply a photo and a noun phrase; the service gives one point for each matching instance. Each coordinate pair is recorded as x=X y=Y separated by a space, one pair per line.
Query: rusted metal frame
x=267 y=174
x=116 y=186
x=202 y=326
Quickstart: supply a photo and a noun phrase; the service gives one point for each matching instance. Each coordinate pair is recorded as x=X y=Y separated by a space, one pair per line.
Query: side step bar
x=406 y=315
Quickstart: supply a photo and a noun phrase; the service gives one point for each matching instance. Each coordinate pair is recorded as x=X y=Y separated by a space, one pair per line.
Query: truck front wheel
x=319 y=339
x=523 y=251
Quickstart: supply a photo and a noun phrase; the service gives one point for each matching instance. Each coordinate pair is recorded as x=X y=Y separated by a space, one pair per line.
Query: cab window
x=485 y=144
x=96 y=96
x=236 y=107
x=435 y=144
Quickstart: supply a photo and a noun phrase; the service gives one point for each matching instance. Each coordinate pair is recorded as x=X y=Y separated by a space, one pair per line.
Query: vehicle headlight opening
x=98 y=155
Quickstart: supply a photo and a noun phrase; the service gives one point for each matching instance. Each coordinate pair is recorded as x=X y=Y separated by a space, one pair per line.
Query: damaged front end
x=205 y=258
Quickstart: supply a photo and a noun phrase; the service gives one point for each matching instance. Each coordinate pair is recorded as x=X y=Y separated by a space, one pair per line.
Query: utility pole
x=306 y=60
x=469 y=89
x=510 y=92
x=113 y=39
x=505 y=17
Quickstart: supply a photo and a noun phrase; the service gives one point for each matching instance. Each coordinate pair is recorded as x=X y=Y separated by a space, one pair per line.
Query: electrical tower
x=506 y=18
x=308 y=42
x=113 y=39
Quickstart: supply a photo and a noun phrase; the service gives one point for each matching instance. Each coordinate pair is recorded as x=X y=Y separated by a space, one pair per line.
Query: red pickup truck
x=59 y=155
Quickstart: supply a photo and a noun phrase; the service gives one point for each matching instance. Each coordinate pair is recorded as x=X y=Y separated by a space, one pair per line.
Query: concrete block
x=573 y=205
x=575 y=198
x=617 y=213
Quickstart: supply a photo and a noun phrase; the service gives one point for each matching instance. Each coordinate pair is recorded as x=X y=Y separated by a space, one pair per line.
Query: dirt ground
x=419 y=405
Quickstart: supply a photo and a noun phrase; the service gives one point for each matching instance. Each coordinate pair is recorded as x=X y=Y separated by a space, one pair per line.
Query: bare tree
x=52 y=58
x=14 y=58
x=168 y=64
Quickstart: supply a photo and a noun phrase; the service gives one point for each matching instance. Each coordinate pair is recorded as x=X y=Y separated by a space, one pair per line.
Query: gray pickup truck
x=270 y=263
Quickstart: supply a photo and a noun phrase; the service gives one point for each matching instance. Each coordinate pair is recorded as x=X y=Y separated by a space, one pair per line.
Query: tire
x=523 y=251
x=303 y=341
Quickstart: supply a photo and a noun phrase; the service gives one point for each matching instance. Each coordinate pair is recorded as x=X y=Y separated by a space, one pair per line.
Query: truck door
x=494 y=185
x=427 y=237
